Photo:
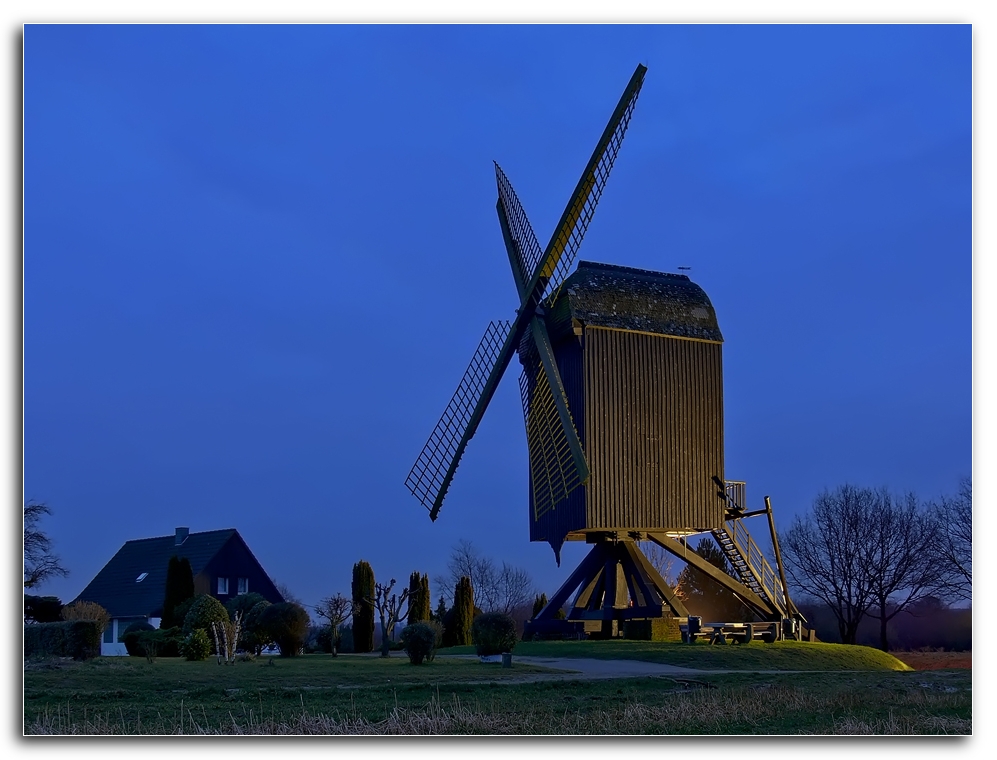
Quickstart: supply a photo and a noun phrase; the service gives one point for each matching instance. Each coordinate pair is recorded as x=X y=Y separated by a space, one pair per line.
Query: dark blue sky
x=258 y=259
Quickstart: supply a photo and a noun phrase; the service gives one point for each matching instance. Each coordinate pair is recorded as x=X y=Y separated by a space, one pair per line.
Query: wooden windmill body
x=639 y=354
x=622 y=393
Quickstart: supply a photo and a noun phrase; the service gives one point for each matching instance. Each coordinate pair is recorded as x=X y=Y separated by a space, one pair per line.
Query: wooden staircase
x=749 y=564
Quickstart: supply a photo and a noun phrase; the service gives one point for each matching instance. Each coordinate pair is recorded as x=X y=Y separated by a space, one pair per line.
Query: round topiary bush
x=132 y=640
x=196 y=646
x=420 y=641
x=493 y=633
x=286 y=624
x=243 y=603
x=204 y=611
x=253 y=638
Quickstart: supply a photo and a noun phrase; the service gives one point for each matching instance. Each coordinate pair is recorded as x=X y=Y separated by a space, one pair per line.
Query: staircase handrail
x=758 y=565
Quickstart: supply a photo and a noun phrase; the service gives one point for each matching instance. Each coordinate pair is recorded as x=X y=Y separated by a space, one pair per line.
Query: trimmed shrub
x=253 y=638
x=141 y=639
x=493 y=633
x=87 y=611
x=653 y=629
x=363 y=607
x=196 y=646
x=158 y=642
x=287 y=626
x=204 y=611
x=130 y=637
x=79 y=639
x=421 y=640
x=42 y=609
x=166 y=641
x=243 y=603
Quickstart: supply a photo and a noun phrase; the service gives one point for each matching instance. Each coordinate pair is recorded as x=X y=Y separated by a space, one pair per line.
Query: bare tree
x=954 y=543
x=824 y=554
x=285 y=591
x=40 y=562
x=494 y=590
x=515 y=588
x=337 y=610
x=389 y=607
x=899 y=558
x=465 y=562
x=226 y=635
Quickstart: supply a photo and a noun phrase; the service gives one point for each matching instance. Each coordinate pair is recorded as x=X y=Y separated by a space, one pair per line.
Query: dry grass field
x=811 y=691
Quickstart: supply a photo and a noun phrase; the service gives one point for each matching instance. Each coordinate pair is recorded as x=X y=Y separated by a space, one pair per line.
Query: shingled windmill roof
x=607 y=295
x=116 y=588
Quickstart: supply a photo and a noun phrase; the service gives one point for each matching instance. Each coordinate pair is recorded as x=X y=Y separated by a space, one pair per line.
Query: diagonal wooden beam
x=644 y=566
x=748 y=596
x=585 y=572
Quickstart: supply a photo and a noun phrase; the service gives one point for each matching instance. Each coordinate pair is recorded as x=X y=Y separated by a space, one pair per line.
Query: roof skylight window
x=142 y=577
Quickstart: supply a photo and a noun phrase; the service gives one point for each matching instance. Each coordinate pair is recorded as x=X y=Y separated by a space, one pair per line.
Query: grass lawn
x=781 y=655
x=320 y=694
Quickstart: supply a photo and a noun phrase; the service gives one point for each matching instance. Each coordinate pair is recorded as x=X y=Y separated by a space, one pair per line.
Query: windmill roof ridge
x=618 y=268
x=608 y=295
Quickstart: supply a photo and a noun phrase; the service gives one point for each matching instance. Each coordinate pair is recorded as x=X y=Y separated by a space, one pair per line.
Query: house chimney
x=181 y=536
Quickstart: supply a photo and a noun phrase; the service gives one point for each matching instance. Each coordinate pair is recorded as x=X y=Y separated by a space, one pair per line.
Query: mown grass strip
x=781 y=655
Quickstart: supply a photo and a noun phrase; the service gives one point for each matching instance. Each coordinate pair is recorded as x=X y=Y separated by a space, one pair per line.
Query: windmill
x=622 y=395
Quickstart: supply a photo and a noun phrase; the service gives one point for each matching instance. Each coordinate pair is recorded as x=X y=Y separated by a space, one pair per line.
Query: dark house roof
x=606 y=295
x=116 y=586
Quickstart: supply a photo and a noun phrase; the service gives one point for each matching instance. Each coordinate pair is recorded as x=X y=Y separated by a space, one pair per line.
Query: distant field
x=936 y=660
x=319 y=694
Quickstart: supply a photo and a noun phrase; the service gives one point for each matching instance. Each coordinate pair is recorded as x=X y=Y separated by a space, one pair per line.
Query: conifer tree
x=415 y=605
x=363 y=607
x=703 y=595
x=463 y=611
x=538 y=604
x=425 y=598
x=179 y=588
x=441 y=611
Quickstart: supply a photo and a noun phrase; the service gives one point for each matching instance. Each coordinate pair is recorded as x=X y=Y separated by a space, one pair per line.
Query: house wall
x=117 y=626
x=235 y=561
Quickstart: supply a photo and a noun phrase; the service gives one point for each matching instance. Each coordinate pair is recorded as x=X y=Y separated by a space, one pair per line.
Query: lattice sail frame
x=428 y=474
x=563 y=247
x=528 y=250
x=553 y=475
x=539 y=277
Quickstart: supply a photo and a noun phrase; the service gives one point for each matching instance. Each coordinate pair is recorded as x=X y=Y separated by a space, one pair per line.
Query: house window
x=109 y=632
x=243 y=586
x=222 y=586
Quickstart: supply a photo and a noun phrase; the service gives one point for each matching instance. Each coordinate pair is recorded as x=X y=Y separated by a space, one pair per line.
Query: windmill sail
x=435 y=466
x=559 y=465
x=526 y=248
x=554 y=473
x=567 y=238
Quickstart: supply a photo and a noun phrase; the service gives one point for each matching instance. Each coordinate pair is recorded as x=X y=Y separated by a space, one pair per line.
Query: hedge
x=79 y=639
